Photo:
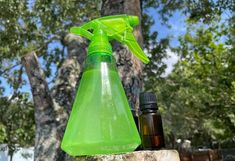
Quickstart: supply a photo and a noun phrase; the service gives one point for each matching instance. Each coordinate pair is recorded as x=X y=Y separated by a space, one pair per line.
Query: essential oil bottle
x=150 y=122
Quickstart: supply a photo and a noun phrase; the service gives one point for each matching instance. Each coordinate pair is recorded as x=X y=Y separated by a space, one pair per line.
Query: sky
x=177 y=28
x=18 y=156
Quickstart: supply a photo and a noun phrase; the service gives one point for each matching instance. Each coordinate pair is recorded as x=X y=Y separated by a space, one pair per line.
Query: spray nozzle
x=119 y=27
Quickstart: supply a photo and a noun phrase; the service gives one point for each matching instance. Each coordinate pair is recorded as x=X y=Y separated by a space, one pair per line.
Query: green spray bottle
x=101 y=121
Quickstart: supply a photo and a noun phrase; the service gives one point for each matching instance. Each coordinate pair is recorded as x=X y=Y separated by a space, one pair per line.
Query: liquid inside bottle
x=101 y=121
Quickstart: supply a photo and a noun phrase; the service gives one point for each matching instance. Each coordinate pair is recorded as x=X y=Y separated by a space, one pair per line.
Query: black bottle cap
x=148 y=100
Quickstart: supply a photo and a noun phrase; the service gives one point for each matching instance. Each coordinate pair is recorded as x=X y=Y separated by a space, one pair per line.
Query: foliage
x=16 y=122
x=154 y=48
x=197 y=98
x=196 y=12
x=199 y=95
x=37 y=25
x=201 y=10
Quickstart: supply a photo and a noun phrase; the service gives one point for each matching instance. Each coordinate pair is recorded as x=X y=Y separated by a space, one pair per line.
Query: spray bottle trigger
x=130 y=41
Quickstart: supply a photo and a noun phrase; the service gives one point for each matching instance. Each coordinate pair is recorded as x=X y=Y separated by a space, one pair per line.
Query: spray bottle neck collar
x=100 y=43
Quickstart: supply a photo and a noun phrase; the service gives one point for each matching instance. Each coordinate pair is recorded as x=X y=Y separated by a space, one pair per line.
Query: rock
x=161 y=155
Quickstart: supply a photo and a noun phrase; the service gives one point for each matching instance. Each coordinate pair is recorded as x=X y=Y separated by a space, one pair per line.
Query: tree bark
x=68 y=77
x=11 y=156
x=129 y=67
x=52 y=110
x=67 y=80
x=47 y=141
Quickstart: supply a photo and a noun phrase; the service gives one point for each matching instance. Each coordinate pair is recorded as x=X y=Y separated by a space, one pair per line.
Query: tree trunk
x=47 y=141
x=11 y=156
x=67 y=80
x=129 y=67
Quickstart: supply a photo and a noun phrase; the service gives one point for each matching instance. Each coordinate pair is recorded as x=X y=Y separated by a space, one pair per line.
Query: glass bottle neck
x=149 y=111
x=149 y=108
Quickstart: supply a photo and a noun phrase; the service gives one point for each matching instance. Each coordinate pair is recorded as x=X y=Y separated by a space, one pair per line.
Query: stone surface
x=161 y=155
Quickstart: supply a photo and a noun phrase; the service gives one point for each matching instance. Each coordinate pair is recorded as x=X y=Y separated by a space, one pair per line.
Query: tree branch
x=38 y=51
x=9 y=68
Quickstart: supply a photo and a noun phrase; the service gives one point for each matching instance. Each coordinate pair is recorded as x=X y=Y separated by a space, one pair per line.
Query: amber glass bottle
x=150 y=121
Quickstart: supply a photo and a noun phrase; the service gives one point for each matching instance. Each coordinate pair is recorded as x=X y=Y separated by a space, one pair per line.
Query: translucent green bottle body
x=101 y=121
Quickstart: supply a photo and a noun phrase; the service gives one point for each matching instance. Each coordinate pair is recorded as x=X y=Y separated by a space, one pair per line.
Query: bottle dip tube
x=150 y=121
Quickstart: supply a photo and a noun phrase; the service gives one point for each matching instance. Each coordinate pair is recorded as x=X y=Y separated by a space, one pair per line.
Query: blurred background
x=192 y=71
